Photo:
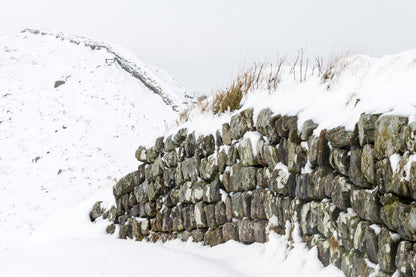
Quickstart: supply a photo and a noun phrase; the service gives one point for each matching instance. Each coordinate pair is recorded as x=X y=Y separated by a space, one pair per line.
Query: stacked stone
x=351 y=192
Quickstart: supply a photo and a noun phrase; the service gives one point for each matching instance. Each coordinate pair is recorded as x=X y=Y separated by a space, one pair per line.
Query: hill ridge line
x=124 y=63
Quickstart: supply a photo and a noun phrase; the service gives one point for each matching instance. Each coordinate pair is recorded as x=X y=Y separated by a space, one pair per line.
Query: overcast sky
x=203 y=44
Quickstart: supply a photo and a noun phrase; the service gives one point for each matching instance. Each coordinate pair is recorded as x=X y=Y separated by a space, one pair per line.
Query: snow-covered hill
x=60 y=145
x=156 y=80
x=64 y=144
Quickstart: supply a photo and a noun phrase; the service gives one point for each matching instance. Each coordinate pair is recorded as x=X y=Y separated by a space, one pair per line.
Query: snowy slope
x=60 y=145
x=62 y=149
x=155 y=79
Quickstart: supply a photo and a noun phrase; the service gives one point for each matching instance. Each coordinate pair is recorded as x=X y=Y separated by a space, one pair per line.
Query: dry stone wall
x=352 y=193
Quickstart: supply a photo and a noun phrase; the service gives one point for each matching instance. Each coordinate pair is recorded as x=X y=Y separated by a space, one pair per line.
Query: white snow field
x=60 y=145
x=62 y=149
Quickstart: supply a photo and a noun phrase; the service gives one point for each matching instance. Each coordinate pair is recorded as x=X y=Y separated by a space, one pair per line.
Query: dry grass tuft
x=202 y=104
x=184 y=115
x=335 y=66
x=229 y=99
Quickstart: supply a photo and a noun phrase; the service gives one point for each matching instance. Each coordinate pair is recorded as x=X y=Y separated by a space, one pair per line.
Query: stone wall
x=352 y=193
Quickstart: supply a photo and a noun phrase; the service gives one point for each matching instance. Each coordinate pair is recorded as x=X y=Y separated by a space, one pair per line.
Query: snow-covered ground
x=62 y=149
x=114 y=257
x=358 y=84
x=60 y=145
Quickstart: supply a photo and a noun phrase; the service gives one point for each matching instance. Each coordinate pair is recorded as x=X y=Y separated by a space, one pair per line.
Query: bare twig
x=294 y=67
x=259 y=74
x=270 y=79
x=280 y=62
x=319 y=64
x=306 y=69
x=300 y=63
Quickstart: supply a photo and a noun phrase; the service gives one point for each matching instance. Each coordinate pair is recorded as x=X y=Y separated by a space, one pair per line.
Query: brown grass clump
x=329 y=73
x=201 y=104
x=229 y=99
x=335 y=67
x=184 y=115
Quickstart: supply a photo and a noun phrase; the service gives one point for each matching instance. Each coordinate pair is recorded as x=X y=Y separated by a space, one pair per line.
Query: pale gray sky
x=203 y=44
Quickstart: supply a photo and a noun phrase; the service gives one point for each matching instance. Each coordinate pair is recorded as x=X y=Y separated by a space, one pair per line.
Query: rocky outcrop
x=351 y=193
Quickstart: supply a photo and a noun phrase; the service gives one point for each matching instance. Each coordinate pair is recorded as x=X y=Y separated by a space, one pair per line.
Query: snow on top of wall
x=359 y=84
